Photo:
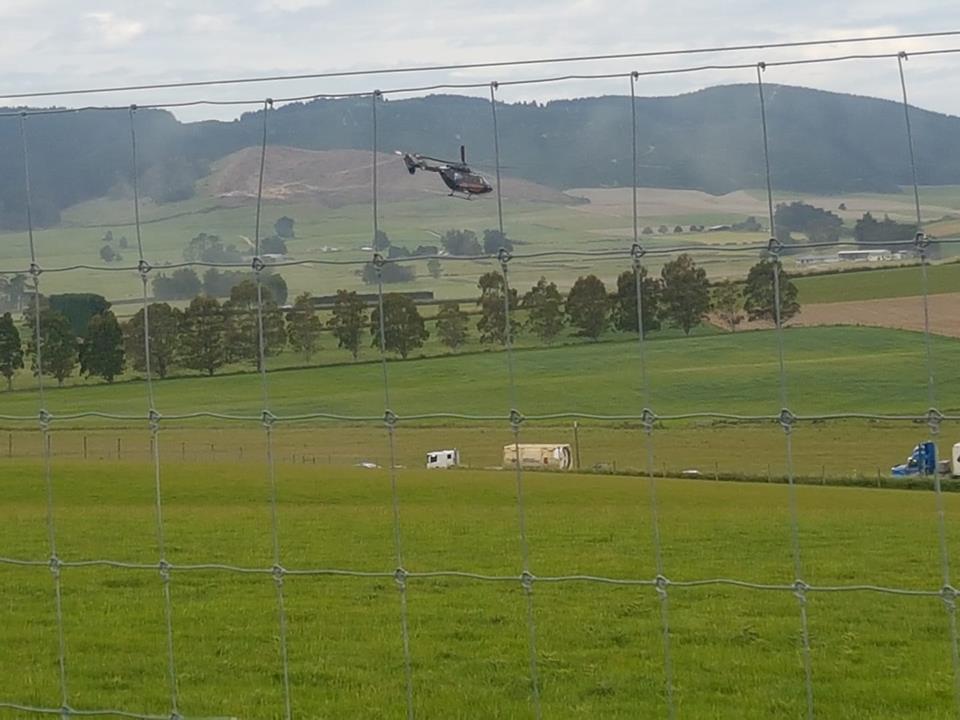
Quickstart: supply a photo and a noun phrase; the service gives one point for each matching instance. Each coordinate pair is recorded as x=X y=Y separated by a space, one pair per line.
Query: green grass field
x=735 y=652
x=879 y=283
x=832 y=369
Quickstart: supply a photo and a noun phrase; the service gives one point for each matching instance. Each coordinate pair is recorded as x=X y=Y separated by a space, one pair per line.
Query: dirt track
x=905 y=313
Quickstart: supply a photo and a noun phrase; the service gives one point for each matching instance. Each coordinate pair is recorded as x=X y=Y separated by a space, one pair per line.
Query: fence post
x=716 y=470
x=241 y=452
x=879 y=481
x=10 y=445
x=118 y=448
x=768 y=472
x=213 y=452
x=183 y=451
x=823 y=474
x=84 y=447
x=576 y=443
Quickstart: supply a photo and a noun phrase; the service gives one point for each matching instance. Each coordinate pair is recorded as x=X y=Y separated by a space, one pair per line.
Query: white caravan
x=439 y=459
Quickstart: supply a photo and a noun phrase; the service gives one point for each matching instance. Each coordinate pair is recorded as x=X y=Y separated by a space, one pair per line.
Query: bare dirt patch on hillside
x=903 y=313
x=334 y=178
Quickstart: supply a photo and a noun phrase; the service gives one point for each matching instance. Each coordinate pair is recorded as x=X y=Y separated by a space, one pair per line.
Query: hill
x=709 y=140
x=334 y=178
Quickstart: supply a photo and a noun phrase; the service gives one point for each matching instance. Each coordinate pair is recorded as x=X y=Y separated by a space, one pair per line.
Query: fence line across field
x=512 y=419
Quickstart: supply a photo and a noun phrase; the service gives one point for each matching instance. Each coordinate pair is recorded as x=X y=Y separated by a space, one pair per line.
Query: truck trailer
x=538 y=455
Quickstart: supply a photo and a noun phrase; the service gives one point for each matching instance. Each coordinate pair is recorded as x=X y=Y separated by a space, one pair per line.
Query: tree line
x=80 y=330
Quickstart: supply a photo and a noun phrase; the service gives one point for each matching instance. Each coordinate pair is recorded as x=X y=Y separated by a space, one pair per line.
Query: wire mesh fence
x=163 y=442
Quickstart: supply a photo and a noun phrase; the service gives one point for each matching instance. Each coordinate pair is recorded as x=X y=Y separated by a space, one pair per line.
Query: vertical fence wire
x=516 y=418
x=44 y=418
x=786 y=417
x=948 y=592
x=649 y=421
x=153 y=419
x=267 y=420
x=390 y=422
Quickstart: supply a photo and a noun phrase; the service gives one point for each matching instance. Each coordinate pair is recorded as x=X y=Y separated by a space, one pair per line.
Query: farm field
x=735 y=651
x=832 y=369
x=903 y=312
x=338 y=234
x=877 y=283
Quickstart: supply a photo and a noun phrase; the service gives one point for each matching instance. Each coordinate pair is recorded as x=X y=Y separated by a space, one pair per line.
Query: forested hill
x=708 y=140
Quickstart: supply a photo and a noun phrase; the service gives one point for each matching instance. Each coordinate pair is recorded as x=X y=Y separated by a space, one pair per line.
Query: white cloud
x=112 y=30
x=293 y=5
x=52 y=44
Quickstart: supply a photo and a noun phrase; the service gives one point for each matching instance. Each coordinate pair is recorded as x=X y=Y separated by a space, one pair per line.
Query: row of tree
x=81 y=330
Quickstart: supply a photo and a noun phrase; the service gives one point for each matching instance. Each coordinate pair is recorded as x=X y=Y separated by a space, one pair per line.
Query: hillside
x=334 y=178
x=820 y=142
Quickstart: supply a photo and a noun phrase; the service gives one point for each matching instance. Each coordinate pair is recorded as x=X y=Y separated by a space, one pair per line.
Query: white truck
x=440 y=459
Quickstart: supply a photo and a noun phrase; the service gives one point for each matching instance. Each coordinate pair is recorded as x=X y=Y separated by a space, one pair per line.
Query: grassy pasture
x=829 y=369
x=735 y=652
x=878 y=283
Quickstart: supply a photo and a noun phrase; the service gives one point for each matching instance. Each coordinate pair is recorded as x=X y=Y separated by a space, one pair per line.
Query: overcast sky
x=63 y=44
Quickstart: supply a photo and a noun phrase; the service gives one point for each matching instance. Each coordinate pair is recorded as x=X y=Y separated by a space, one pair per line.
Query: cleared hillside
x=334 y=178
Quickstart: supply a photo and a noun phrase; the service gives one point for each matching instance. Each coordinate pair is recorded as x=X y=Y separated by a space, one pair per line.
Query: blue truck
x=923 y=461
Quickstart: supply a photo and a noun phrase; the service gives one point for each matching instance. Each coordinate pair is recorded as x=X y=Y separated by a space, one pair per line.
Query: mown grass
x=878 y=283
x=831 y=369
x=735 y=652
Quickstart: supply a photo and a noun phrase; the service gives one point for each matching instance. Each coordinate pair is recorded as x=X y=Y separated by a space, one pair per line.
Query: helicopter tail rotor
x=409 y=161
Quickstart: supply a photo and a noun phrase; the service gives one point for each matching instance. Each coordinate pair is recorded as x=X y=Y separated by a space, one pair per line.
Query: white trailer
x=440 y=459
x=540 y=455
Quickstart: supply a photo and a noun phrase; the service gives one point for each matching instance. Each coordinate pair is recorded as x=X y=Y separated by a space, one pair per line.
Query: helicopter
x=457 y=176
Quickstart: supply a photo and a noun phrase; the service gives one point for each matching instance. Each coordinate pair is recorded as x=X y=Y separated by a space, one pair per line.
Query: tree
x=219 y=284
x=433 y=267
x=588 y=306
x=452 y=325
x=183 y=284
x=347 y=320
x=817 y=224
x=303 y=326
x=868 y=229
x=663 y=229
x=678 y=229
x=101 y=352
x=728 y=302
x=647 y=230
x=686 y=293
x=624 y=313
x=273 y=245
x=381 y=241
x=759 y=299
x=79 y=308
x=492 y=324
x=544 y=306
x=243 y=313
x=165 y=325
x=461 y=242
x=202 y=340
x=58 y=345
x=493 y=240
x=123 y=243
x=11 y=350
x=389 y=273
x=284 y=228
x=109 y=255
x=16 y=290
x=210 y=248
x=277 y=287
x=403 y=326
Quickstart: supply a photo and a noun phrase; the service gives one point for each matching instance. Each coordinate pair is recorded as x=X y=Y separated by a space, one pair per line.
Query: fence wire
x=661 y=583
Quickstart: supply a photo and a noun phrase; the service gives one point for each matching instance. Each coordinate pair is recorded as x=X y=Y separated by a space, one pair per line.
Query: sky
x=52 y=45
